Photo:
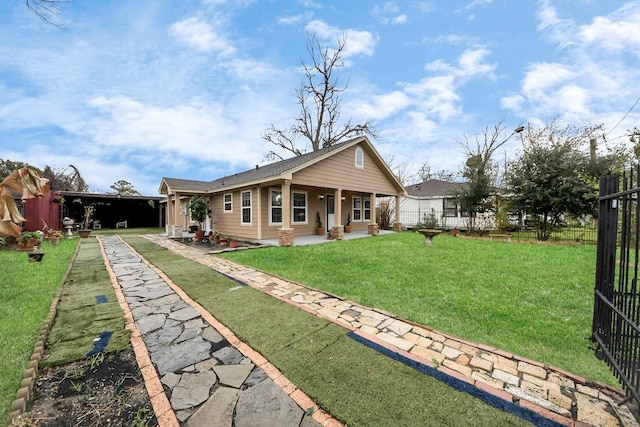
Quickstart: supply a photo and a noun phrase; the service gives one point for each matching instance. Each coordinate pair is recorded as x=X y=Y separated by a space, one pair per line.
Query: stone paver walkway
x=558 y=395
x=211 y=378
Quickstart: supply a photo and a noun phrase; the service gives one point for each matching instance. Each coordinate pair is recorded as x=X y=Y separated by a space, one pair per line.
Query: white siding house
x=434 y=203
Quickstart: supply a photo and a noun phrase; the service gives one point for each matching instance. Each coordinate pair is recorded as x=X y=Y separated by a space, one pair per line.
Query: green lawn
x=26 y=292
x=356 y=384
x=533 y=300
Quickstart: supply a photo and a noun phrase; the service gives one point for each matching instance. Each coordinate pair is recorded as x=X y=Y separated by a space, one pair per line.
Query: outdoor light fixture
x=320 y=196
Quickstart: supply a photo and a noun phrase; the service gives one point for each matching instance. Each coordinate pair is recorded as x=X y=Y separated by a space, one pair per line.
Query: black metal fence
x=616 y=312
x=578 y=230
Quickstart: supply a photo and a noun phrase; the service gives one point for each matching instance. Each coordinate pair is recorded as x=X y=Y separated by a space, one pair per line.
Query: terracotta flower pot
x=233 y=243
x=84 y=233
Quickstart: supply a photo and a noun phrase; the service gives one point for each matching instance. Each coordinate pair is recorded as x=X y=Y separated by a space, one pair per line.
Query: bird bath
x=428 y=235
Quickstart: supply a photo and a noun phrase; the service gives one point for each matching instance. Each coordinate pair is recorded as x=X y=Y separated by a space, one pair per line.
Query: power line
x=625 y=116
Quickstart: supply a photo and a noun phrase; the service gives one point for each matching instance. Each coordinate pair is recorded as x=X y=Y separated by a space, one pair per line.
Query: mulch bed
x=103 y=390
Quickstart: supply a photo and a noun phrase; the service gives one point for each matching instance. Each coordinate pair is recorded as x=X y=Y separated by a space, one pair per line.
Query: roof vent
x=256 y=167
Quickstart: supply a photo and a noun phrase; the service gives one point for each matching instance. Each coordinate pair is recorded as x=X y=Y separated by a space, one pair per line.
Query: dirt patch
x=102 y=390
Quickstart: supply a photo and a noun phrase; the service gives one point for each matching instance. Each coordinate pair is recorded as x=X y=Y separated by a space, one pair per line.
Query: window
x=246 y=207
x=275 y=207
x=228 y=202
x=367 y=209
x=357 y=209
x=299 y=213
x=450 y=207
x=359 y=158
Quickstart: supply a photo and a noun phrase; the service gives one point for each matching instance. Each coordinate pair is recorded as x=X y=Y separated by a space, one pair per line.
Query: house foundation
x=337 y=232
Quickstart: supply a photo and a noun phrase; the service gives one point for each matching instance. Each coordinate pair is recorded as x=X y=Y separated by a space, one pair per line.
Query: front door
x=331 y=211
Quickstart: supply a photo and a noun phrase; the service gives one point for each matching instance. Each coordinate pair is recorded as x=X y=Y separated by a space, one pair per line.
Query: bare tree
x=400 y=170
x=45 y=9
x=426 y=172
x=319 y=97
x=481 y=172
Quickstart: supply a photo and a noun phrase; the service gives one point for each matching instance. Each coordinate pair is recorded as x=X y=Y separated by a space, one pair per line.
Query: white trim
x=366 y=209
x=293 y=207
x=270 y=213
x=224 y=203
x=354 y=209
x=359 y=158
x=249 y=207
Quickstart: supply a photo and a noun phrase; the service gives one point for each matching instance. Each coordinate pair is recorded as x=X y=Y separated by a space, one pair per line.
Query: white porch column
x=285 y=234
x=338 y=206
x=177 y=222
x=397 y=225
x=373 y=225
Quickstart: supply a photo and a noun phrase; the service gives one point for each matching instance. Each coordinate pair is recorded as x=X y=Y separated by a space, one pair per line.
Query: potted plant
x=58 y=198
x=347 y=225
x=88 y=213
x=320 y=230
x=199 y=207
x=54 y=237
x=27 y=240
x=214 y=237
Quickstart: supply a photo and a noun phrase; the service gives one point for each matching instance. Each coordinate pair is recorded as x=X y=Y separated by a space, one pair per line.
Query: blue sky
x=140 y=90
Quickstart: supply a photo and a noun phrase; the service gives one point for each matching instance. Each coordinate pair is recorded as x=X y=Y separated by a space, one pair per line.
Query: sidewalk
x=557 y=395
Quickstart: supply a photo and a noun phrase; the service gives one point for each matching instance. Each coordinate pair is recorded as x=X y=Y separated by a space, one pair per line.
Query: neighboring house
x=280 y=200
x=434 y=203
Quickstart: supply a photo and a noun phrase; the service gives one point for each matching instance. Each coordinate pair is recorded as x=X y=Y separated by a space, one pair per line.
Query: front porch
x=314 y=239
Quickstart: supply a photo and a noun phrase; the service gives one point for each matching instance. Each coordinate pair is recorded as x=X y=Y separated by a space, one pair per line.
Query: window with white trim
x=359 y=158
x=245 y=198
x=227 y=201
x=275 y=206
x=299 y=207
x=450 y=207
x=357 y=209
x=367 y=208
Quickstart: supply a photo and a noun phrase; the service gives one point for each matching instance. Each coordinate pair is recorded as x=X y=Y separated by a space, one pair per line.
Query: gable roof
x=283 y=169
x=434 y=188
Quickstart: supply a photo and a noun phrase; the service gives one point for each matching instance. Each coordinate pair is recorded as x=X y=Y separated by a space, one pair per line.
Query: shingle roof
x=261 y=173
x=433 y=188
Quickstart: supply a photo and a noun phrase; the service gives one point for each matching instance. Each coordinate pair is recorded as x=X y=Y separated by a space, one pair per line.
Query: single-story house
x=434 y=203
x=282 y=199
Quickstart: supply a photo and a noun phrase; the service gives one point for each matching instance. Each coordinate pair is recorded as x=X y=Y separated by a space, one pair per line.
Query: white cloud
x=593 y=73
x=199 y=34
x=389 y=13
x=615 y=33
x=295 y=19
x=358 y=42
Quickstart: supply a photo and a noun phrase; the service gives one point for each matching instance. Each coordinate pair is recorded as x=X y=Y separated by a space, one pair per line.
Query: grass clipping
x=88 y=307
